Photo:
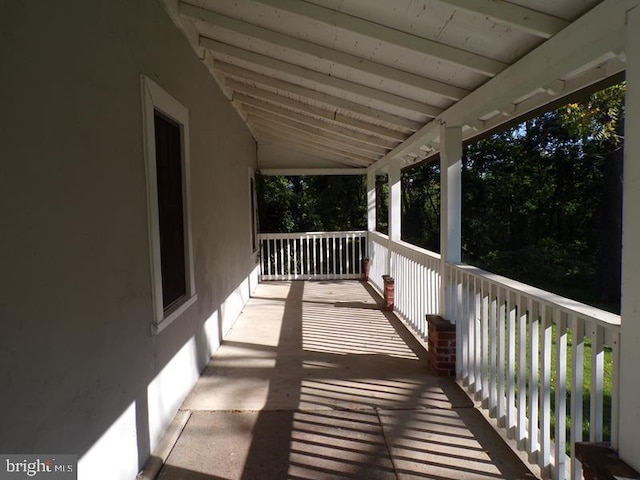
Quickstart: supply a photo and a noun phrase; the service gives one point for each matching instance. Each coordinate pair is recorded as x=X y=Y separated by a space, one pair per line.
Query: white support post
x=371 y=201
x=629 y=447
x=450 y=209
x=395 y=199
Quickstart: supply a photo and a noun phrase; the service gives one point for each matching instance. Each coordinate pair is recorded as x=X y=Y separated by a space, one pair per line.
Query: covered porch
x=315 y=380
x=310 y=379
x=358 y=88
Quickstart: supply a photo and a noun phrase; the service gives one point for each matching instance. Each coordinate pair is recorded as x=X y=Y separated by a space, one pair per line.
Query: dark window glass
x=170 y=210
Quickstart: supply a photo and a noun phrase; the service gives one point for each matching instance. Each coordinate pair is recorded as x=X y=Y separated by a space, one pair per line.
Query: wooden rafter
x=382 y=33
x=337 y=57
x=517 y=16
x=332 y=102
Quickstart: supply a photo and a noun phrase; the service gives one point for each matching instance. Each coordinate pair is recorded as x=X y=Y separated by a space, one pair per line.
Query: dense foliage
x=311 y=204
x=541 y=201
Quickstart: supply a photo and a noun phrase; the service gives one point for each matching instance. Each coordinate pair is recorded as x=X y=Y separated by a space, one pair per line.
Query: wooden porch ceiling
x=335 y=85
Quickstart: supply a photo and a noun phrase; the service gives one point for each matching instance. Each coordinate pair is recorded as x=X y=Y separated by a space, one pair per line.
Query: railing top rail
x=606 y=319
x=378 y=236
x=402 y=244
x=310 y=234
x=415 y=248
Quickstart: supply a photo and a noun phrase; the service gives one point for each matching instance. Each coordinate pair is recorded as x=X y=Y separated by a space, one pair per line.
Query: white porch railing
x=312 y=256
x=525 y=353
x=378 y=259
x=416 y=273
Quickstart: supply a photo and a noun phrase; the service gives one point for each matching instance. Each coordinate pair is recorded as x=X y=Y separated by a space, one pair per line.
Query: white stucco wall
x=80 y=371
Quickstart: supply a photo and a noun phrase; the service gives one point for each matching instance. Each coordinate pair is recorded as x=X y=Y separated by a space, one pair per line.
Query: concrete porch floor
x=314 y=381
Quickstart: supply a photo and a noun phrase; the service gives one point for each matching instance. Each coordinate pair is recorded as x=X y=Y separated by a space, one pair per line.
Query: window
x=254 y=211
x=166 y=130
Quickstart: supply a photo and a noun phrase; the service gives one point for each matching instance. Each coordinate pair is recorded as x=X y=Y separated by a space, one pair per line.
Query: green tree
x=421 y=206
x=276 y=199
x=536 y=197
x=338 y=202
x=382 y=204
x=311 y=203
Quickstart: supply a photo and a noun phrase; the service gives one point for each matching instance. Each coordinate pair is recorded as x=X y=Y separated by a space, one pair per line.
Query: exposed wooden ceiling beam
x=382 y=33
x=271 y=154
x=286 y=132
x=278 y=113
x=270 y=101
x=429 y=132
x=220 y=49
x=556 y=90
x=290 y=172
x=393 y=121
x=332 y=154
x=593 y=36
x=287 y=42
x=301 y=132
x=294 y=129
x=517 y=16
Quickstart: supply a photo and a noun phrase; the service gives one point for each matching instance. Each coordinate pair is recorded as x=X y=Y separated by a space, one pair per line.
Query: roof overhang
x=327 y=86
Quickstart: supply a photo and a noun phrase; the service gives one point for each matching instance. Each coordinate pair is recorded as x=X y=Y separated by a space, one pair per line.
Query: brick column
x=389 y=292
x=365 y=269
x=442 y=346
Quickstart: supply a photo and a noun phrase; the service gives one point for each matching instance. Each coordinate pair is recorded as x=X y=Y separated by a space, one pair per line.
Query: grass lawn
x=586 y=389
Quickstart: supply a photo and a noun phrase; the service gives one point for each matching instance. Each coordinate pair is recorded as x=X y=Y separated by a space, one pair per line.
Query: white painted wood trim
x=367 y=142
x=561 y=462
x=306 y=133
x=174 y=314
x=156 y=98
x=334 y=18
x=577 y=386
x=332 y=102
x=395 y=200
x=335 y=154
x=537 y=314
x=253 y=214
x=519 y=17
x=275 y=103
x=318 y=51
x=291 y=252
x=371 y=201
x=629 y=399
x=222 y=50
x=313 y=171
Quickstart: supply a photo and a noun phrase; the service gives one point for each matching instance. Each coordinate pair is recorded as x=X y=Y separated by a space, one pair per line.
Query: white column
x=629 y=447
x=395 y=197
x=450 y=207
x=395 y=209
x=371 y=201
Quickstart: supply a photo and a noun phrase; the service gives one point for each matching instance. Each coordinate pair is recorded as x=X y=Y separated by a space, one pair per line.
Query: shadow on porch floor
x=315 y=382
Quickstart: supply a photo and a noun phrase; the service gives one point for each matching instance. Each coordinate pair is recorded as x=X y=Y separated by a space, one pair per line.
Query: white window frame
x=154 y=98
x=253 y=213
